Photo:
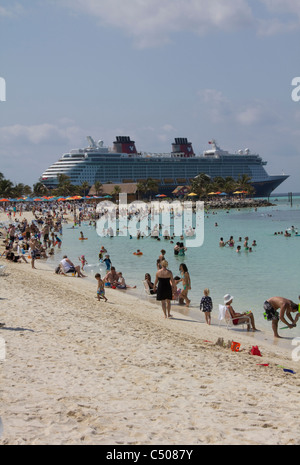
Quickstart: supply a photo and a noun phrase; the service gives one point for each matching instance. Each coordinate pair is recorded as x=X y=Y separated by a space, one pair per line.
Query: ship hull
x=124 y=164
x=265 y=188
x=262 y=188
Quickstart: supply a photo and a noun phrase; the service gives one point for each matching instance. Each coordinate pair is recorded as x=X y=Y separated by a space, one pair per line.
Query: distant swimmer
x=138 y=252
x=221 y=242
x=82 y=238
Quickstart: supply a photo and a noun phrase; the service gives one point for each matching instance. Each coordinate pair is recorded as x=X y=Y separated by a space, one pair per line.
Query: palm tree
x=39 y=189
x=18 y=190
x=244 y=183
x=151 y=186
x=6 y=188
x=116 y=191
x=85 y=187
x=98 y=187
x=141 y=188
x=201 y=184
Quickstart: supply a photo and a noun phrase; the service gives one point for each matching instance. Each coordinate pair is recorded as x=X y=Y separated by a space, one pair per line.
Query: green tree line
x=203 y=184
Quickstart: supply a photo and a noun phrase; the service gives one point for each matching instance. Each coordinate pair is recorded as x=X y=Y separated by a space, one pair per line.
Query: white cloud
x=218 y=106
x=11 y=10
x=152 y=23
x=221 y=109
x=283 y=6
x=38 y=134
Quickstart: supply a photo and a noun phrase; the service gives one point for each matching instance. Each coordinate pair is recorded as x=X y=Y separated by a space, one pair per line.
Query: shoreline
x=79 y=371
x=82 y=372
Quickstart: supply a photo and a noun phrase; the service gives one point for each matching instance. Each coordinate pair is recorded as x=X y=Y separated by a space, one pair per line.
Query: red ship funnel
x=123 y=144
x=181 y=145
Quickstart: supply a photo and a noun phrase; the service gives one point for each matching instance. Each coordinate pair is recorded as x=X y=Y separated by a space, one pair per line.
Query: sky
x=153 y=70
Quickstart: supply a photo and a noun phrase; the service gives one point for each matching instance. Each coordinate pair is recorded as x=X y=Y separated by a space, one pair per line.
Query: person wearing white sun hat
x=238 y=318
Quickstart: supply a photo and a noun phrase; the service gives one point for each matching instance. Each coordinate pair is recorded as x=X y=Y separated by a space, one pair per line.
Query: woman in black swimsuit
x=164 y=284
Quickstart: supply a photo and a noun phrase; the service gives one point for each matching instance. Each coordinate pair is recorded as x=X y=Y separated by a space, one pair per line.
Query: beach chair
x=224 y=315
x=147 y=289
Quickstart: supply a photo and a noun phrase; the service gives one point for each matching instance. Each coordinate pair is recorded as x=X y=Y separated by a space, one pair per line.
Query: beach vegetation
x=203 y=185
x=147 y=187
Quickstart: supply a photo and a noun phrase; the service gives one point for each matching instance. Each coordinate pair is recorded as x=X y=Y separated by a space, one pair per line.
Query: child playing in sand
x=100 y=288
x=206 y=305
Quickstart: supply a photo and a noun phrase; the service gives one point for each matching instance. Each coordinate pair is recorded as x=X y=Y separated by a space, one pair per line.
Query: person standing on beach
x=206 y=305
x=285 y=307
x=163 y=286
x=100 y=288
x=186 y=283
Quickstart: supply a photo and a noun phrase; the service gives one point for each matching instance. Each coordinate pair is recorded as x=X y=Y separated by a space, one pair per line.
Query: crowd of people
x=25 y=241
x=32 y=240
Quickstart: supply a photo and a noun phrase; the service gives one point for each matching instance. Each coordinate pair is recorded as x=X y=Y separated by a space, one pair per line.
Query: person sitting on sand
x=66 y=266
x=177 y=292
x=111 y=277
x=285 y=307
x=121 y=284
x=14 y=258
x=239 y=318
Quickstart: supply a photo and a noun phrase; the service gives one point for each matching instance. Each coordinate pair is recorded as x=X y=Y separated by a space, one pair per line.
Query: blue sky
x=153 y=70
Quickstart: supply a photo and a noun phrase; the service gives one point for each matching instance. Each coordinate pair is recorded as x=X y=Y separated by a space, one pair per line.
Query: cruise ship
x=123 y=163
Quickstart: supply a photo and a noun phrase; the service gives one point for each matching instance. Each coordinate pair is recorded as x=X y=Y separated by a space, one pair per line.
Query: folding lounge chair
x=224 y=315
x=147 y=289
x=2 y=269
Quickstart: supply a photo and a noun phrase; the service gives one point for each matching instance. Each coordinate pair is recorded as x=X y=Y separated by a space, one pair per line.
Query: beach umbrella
x=4 y=200
x=192 y=194
x=211 y=193
x=223 y=193
x=238 y=192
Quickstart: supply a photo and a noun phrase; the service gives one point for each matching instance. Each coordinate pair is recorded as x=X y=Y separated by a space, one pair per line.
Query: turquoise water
x=251 y=277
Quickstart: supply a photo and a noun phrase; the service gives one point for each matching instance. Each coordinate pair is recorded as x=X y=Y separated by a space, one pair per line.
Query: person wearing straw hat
x=239 y=318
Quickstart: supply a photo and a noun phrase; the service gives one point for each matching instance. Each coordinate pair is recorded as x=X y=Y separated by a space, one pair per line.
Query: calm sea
x=251 y=277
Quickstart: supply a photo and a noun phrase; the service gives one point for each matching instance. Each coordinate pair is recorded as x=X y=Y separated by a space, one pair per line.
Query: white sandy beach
x=79 y=371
